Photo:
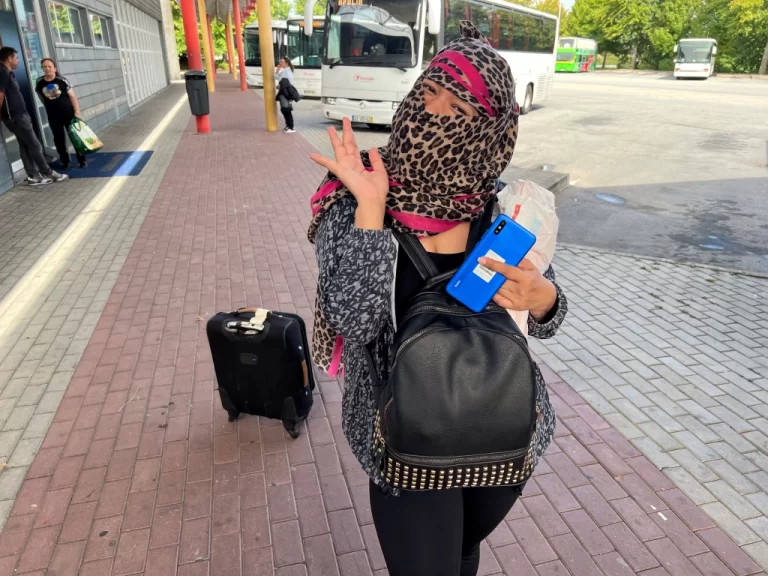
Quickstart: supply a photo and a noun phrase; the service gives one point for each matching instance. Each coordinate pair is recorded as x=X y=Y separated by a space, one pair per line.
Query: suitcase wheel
x=290 y=418
x=292 y=428
x=233 y=415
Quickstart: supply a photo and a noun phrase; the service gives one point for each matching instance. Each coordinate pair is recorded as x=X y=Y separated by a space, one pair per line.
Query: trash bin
x=197 y=92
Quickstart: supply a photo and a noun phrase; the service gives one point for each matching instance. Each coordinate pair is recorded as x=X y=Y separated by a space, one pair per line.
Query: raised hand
x=369 y=187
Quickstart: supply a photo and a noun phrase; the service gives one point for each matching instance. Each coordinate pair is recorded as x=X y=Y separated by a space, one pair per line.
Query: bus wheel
x=528 y=102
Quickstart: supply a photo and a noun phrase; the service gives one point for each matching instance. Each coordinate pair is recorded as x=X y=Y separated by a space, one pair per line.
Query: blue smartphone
x=475 y=285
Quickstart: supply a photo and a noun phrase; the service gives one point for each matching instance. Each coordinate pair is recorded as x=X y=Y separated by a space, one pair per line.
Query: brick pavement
x=141 y=473
x=676 y=358
x=61 y=249
x=681 y=368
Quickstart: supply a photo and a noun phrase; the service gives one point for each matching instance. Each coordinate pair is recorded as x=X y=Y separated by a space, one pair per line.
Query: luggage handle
x=257 y=323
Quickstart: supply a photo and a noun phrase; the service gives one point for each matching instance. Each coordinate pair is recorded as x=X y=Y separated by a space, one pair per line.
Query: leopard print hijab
x=442 y=169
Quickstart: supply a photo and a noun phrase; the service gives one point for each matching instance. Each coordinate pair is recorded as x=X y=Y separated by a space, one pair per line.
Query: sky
x=568 y=4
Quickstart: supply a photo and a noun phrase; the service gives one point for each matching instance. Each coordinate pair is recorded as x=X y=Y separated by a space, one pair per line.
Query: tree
x=669 y=21
x=751 y=27
x=587 y=20
x=178 y=30
x=551 y=6
x=298 y=7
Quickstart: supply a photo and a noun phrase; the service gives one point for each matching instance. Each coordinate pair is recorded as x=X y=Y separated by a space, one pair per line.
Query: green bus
x=576 y=55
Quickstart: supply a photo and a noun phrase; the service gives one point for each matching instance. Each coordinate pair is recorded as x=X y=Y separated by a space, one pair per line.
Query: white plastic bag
x=533 y=207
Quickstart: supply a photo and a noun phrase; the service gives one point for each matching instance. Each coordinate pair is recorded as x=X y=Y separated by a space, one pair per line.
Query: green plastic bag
x=83 y=138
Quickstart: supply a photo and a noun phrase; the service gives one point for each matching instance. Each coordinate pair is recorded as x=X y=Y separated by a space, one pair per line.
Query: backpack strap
x=418 y=255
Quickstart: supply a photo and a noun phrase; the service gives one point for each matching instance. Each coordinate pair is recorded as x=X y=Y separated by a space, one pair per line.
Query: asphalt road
x=658 y=167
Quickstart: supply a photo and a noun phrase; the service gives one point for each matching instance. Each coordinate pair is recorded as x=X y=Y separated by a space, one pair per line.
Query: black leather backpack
x=458 y=408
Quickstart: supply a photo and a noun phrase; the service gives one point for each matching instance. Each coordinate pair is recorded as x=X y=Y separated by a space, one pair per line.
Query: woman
x=451 y=138
x=284 y=81
x=61 y=105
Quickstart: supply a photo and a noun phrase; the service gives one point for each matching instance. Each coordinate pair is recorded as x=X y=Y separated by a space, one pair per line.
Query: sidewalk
x=141 y=473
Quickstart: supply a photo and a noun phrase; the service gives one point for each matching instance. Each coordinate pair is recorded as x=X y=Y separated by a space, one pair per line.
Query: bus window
x=549 y=31
x=457 y=10
x=507 y=31
x=430 y=48
x=495 y=20
x=480 y=18
x=521 y=39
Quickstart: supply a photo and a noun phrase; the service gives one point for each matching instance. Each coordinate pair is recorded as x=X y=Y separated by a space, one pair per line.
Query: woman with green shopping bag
x=62 y=107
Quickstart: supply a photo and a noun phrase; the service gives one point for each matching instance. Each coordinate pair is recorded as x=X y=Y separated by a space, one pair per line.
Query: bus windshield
x=305 y=51
x=253 y=50
x=694 y=52
x=378 y=34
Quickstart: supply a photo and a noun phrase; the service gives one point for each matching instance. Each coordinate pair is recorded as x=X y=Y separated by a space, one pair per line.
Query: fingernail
x=481 y=260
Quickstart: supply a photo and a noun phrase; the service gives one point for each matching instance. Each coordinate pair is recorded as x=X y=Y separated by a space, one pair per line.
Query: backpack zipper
x=446 y=310
x=433 y=461
x=424 y=331
x=408 y=341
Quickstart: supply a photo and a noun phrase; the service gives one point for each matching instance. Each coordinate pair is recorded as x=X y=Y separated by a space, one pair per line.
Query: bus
x=695 y=58
x=252 y=49
x=576 y=55
x=374 y=52
x=306 y=54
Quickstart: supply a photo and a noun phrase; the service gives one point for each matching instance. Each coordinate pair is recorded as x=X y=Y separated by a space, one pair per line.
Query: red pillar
x=195 y=59
x=210 y=44
x=239 y=40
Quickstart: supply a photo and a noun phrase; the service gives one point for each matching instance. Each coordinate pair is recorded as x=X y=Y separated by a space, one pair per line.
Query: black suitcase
x=262 y=364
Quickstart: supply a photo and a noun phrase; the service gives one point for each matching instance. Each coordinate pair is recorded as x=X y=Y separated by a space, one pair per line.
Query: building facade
x=116 y=54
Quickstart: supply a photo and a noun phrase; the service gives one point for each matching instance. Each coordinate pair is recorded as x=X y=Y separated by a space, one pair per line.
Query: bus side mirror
x=309 y=11
x=434 y=13
x=714 y=50
x=675 y=49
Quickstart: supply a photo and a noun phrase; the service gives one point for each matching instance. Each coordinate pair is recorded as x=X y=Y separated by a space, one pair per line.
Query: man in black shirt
x=16 y=118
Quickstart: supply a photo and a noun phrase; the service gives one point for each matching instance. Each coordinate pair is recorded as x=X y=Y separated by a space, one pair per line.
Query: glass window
x=521 y=38
x=305 y=51
x=101 y=31
x=380 y=33
x=456 y=10
x=253 y=48
x=65 y=24
x=548 y=32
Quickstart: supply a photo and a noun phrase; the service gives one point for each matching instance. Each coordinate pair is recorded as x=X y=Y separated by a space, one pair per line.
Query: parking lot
x=680 y=167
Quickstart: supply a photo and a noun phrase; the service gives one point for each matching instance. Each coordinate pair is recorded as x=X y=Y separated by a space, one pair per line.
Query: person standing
x=16 y=118
x=452 y=137
x=284 y=80
x=58 y=97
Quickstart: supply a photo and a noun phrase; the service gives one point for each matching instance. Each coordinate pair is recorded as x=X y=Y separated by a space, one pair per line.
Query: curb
x=726 y=75
x=722 y=269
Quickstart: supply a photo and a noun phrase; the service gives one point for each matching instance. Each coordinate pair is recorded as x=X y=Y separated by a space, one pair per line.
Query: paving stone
x=732 y=499
x=730 y=523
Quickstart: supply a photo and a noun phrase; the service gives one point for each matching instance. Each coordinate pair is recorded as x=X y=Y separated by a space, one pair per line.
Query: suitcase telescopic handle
x=245 y=310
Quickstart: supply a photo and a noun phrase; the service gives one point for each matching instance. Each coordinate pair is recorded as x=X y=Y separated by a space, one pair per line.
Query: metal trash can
x=197 y=92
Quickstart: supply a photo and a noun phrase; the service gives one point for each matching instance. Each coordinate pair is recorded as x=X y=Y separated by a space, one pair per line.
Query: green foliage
x=651 y=28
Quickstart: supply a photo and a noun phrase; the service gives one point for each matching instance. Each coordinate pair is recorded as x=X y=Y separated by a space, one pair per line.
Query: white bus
x=306 y=54
x=252 y=49
x=695 y=58
x=374 y=52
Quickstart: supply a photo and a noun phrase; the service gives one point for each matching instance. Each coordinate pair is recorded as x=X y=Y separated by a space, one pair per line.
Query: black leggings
x=287 y=109
x=438 y=532
x=59 y=131
x=288 y=115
